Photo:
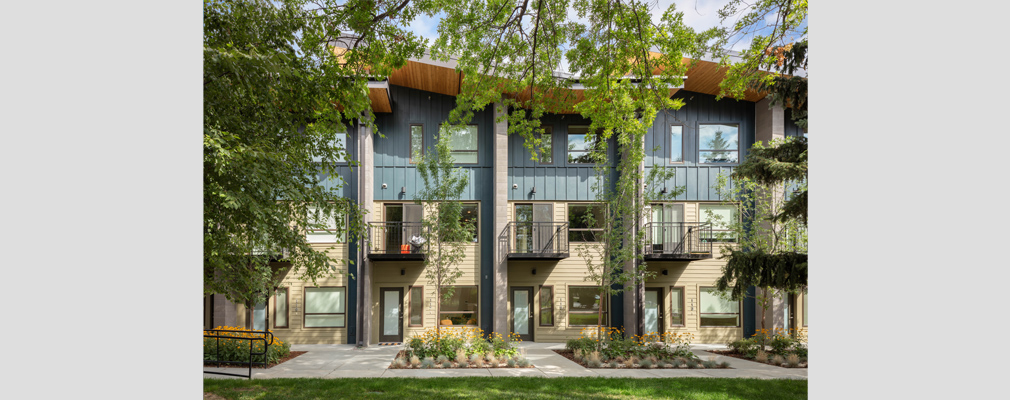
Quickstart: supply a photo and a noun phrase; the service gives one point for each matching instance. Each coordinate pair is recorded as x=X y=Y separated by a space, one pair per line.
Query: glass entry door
x=667 y=228
x=534 y=228
x=653 y=313
x=391 y=319
x=522 y=313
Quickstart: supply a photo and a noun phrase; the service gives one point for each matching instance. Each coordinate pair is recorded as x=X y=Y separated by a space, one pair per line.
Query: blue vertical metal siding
x=392 y=152
x=698 y=179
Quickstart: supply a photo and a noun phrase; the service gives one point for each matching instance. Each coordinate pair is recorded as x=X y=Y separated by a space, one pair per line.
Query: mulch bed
x=734 y=354
x=290 y=355
x=569 y=354
x=502 y=364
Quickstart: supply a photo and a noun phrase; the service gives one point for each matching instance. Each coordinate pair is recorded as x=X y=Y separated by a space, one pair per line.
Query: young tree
x=772 y=248
x=443 y=184
x=275 y=97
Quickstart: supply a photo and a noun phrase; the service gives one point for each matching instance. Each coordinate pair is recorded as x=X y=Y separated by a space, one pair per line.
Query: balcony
x=678 y=241
x=396 y=241
x=535 y=240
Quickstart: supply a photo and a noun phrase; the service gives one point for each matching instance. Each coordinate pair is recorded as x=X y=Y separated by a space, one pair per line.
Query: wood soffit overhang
x=703 y=77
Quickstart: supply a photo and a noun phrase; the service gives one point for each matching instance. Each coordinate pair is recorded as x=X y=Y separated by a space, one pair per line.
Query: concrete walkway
x=344 y=361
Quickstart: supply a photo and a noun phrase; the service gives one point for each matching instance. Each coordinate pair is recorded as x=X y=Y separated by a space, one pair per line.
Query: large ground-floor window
x=324 y=307
x=584 y=305
x=461 y=307
x=717 y=311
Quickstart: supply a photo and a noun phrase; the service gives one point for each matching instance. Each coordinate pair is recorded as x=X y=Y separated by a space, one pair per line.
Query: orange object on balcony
x=404 y=249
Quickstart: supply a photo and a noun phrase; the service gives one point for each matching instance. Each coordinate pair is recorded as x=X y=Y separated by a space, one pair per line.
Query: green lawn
x=507 y=388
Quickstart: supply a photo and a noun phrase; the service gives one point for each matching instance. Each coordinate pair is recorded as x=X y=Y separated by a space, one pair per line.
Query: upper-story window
x=340 y=145
x=325 y=227
x=463 y=143
x=723 y=218
x=676 y=144
x=718 y=143
x=416 y=143
x=547 y=146
x=580 y=145
x=585 y=222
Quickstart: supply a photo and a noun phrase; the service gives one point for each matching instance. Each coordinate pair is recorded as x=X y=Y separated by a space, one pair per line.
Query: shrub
x=461 y=356
x=747 y=347
x=646 y=363
x=415 y=361
x=691 y=363
x=793 y=360
x=583 y=344
x=778 y=360
x=427 y=363
x=511 y=362
x=761 y=356
x=724 y=364
x=523 y=362
x=613 y=363
x=447 y=363
x=237 y=349
x=708 y=364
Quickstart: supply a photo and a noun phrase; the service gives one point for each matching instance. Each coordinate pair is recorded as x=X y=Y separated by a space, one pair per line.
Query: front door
x=391 y=320
x=653 y=314
x=522 y=313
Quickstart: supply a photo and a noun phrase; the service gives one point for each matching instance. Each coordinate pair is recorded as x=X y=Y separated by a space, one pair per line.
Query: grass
x=507 y=388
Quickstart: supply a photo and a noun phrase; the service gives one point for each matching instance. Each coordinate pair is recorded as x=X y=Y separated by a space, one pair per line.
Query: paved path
x=345 y=361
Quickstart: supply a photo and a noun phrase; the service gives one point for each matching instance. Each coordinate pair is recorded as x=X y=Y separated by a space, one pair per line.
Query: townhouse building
x=522 y=272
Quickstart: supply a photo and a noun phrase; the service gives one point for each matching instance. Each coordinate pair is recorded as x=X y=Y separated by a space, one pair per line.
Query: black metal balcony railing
x=397 y=241
x=678 y=241
x=536 y=240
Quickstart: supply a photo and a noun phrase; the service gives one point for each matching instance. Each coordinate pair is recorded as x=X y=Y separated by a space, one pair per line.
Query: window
x=281 y=308
x=547 y=146
x=720 y=217
x=676 y=144
x=324 y=307
x=460 y=308
x=547 y=306
x=584 y=305
x=717 y=311
x=468 y=217
x=463 y=142
x=718 y=143
x=339 y=144
x=580 y=146
x=416 y=143
x=585 y=222
x=324 y=228
x=416 y=306
x=676 y=306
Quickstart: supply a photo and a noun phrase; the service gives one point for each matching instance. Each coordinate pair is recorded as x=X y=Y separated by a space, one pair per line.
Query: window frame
x=682 y=134
x=340 y=238
x=604 y=303
x=739 y=311
x=540 y=320
x=287 y=307
x=548 y=132
x=476 y=151
x=305 y=306
x=739 y=144
x=683 y=301
x=568 y=210
x=474 y=314
x=568 y=152
x=410 y=143
x=702 y=218
x=410 y=305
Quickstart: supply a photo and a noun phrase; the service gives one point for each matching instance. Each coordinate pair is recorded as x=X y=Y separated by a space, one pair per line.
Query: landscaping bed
x=778 y=348
x=801 y=363
x=650 y=362
x=460 y=348
x=291 y=354
x=609 y=348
